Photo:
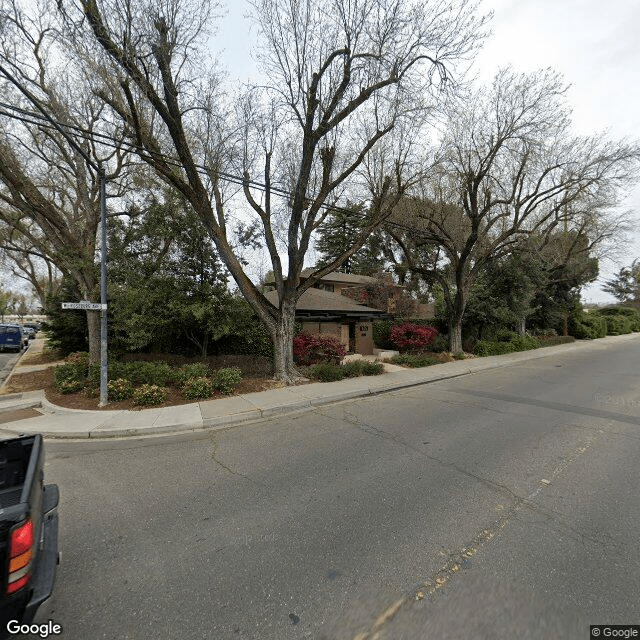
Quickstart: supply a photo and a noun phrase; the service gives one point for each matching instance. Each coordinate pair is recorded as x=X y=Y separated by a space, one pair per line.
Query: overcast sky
x=593 y=43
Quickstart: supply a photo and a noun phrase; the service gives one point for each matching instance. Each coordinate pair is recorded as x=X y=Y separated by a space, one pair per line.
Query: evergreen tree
x=339 y=232
x=626 y=285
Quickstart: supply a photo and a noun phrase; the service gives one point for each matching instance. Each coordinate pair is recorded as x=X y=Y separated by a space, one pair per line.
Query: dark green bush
x=617 y=325
x=353 y=369
x=589 y=326
x=69 y=378
x=440 y=344
x=188 y=371
x=326 y=372
x=505 y=335
x=225 y=380
x=496 y=348
x=551 y=341
x=628 y=312
x=414 y=360
x=151 y=373
x=372 y=368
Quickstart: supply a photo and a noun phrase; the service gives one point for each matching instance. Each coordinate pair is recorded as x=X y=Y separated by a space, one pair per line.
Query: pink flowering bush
x=412 y=337
x=312 y=348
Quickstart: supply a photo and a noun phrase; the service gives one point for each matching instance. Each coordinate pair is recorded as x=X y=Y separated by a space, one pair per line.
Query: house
x=323 y=309
x=345 y=305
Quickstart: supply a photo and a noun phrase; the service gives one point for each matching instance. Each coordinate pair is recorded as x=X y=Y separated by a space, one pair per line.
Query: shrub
x=459 y=356
x=372 y=368
x=78 y=357
x=589 y=326
x=414 y=360
x=495 y=347
x=197 y=388
x=149 y=394
x=150 y=373
x=70 y=387
x=440 y=343
x=225 y=380
x=119 y=389
x=551 y=341
x=381 y=330
x=628 y=312
x=327 y=372
x=188 y=371
x=353 y=369
x=545 y=333
x=69 y=378
x=311 y=348
x=524 y=343
x=505 y=335
x=410 y=337
x=617 y=324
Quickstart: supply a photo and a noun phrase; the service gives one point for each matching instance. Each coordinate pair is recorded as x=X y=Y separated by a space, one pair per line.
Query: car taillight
x=20 y=552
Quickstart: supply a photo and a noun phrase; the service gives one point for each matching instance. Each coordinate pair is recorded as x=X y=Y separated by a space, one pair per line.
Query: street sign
x=85 y=306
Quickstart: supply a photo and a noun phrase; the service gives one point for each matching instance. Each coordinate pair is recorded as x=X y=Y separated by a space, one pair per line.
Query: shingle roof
x=318 y=300
x=335 y=276
x=338 y=276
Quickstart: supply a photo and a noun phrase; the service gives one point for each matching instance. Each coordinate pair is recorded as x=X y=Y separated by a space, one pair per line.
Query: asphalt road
x=7 y=361
x=498 y=505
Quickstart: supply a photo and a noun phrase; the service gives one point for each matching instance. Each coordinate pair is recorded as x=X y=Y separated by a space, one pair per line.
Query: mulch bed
x=36 y=380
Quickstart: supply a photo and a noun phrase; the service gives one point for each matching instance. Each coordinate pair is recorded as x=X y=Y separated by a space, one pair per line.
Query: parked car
x=28 y=531
x=11 y=337
x=30 y=333
x=32 y=325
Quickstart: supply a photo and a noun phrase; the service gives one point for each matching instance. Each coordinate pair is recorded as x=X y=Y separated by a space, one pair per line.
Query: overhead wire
x=36 y=119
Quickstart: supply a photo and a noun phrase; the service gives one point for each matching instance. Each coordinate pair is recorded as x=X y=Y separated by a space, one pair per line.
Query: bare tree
x=49 y=197
x=508 y=168
x=26 y=257
x=340 y=78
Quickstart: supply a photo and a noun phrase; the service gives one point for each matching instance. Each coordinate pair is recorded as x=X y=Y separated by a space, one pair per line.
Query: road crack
x=214 y=456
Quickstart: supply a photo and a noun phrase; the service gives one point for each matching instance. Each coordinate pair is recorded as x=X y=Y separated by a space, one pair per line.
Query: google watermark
x=620 y=401
x=43 y=630
x=615 y=631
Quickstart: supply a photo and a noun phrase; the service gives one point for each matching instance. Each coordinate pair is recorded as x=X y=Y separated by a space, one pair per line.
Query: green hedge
x=618 y=325
x=497 y=347
x=414 y=360
x=551 y=341
x=326 y=372
x=590 y=326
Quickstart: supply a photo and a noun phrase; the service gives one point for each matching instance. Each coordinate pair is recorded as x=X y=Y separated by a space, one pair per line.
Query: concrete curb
x=236 y=410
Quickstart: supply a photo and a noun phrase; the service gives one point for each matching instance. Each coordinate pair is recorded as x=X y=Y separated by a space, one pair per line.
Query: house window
x=323 y=286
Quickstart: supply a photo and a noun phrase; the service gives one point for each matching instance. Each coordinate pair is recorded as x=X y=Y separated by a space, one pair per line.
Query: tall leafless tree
x=341 y=77
x=508 y=168
x=49 y=196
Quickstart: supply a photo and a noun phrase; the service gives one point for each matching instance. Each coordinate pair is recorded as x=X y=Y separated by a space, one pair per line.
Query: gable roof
x=338 y=276
x=333 y=276
x=319 y=300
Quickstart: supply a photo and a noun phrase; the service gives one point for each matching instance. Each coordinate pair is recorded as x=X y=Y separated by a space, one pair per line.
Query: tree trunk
x=282 y=335
x=522 y=327
x=93 y=324
x=455 y=335
x=456 y=313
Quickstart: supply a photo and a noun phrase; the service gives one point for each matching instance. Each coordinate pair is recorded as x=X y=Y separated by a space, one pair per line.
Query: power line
x=35 y=119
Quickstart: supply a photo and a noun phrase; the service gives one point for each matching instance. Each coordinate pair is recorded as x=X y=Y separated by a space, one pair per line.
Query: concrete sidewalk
x=30 y=412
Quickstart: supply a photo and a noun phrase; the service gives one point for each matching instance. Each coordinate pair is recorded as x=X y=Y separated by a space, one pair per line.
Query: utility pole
x=104 y=398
